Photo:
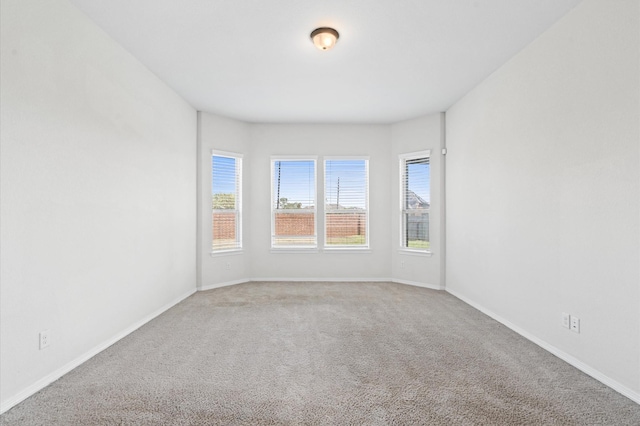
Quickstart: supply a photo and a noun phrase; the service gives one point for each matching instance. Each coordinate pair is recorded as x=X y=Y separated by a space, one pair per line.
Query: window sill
x=289 y=250
x=231 y=252
x=410 y=252
x=347 y=249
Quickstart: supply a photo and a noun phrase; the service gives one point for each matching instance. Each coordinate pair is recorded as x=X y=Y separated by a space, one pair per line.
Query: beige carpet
x=324 y=353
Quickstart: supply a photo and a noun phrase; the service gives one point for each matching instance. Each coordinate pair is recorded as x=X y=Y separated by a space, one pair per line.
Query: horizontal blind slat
x=416 y=198
x=294 y=203
x=226 y=202
x=346 y=203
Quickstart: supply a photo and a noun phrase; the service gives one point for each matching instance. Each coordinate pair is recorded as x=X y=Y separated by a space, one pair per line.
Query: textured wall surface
x=543 y=190
x=98 y=192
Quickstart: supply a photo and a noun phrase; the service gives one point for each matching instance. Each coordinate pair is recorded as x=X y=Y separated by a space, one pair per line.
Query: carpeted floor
x=324 y=353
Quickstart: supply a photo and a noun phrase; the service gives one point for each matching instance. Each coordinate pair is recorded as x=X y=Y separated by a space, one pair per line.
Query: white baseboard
x=418 y=284
x=52 y=377
x=329 y=279
x=316 y=279
x=225 y=284
x=613 y=384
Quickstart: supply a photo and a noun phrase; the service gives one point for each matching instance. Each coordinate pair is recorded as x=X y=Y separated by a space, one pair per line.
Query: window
x=293 y=203
x=415 y=200
x=346 y=212
x=226 y=201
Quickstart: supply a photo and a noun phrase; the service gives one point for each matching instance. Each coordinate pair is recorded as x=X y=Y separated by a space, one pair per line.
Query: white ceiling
x=253 y=60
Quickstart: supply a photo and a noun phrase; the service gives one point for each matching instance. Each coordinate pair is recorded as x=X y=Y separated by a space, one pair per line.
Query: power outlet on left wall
x=227 y=266
x=45 y=339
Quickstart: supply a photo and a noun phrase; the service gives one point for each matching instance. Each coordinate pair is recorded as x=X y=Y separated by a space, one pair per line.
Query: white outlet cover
x=566 y=320
x=575 y=324
x=45 y=339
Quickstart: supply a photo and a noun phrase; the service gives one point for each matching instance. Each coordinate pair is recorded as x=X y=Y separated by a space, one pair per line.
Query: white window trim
x=239 y=249
x=402 y=158
x=228 y=154
x=294 y=249
x=363 y=248
x=226 y=252
x=346 y=249
x=415 y=252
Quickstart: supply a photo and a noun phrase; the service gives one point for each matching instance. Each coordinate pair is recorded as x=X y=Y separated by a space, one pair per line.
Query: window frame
x=363 y=247
x=238 y=203
x=403 y=158
x=314 y=211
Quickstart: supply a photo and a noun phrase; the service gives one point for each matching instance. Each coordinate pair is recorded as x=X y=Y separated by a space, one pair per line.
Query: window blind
x=226 y=202
x=415 y=201
x=293 y=205
x=346 y=188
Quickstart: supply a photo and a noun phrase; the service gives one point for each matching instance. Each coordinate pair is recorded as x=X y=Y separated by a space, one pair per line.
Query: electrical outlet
x=566 y=320
x=227 y=266
x=45 y=339
x=402 y=264
x=575 y=324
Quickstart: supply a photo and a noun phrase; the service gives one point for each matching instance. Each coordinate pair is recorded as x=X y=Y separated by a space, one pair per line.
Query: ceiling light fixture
x=324 y=38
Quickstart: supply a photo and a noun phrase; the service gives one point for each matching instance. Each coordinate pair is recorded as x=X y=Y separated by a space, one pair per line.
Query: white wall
x=98 y=193
x=222 y=134
x=420 y=134
x=543 y=191
x=381 y=143
x=319 y=140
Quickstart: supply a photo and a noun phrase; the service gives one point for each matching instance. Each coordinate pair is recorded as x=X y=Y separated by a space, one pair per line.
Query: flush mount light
x=324 y=38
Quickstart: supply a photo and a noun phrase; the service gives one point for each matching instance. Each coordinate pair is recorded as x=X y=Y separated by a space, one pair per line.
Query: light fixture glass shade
x=324 y=38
